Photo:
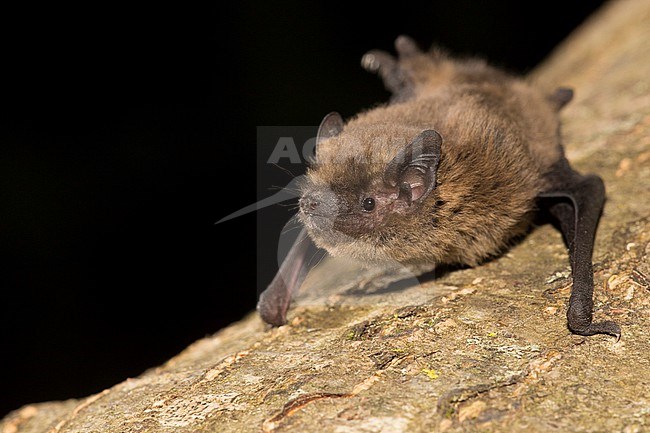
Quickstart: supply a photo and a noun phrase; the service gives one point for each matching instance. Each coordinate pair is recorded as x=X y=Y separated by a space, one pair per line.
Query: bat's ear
x=561 y=97
x=413 y=170
x=331 y=126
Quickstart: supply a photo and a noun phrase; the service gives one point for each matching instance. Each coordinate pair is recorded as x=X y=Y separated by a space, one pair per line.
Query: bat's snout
x=319 y=203
x=309 y=203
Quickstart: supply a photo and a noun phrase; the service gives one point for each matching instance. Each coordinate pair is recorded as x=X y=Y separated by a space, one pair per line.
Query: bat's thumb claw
x=607 y=327
x=272 y=310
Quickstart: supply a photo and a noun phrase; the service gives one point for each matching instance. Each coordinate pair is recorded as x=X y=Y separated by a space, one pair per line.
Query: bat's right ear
x=331 y=126
x=413 y=169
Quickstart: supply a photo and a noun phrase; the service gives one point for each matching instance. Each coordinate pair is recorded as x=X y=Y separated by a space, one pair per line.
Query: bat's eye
x=368 y=204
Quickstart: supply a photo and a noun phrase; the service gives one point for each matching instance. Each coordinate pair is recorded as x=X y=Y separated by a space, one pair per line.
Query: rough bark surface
x=483 y=349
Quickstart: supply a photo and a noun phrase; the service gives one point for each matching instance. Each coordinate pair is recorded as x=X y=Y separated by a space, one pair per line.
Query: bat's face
x=356 y=207
x=341 y=212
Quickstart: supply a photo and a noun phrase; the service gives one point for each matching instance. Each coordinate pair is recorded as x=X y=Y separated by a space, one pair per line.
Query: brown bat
x=448 y=172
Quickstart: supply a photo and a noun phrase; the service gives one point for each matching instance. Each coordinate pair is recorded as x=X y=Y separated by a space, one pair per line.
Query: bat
x=449 y=171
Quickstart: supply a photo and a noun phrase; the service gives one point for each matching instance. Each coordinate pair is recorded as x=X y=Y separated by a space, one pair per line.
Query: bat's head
x=366 y=188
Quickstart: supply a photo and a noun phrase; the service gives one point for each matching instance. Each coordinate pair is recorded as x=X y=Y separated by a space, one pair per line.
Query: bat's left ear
x=413 y=169
x=561 y=97
x=331 y=126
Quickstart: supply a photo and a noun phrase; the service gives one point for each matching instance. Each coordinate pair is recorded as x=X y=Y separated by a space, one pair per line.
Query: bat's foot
x=398 y=73
x=607 y=327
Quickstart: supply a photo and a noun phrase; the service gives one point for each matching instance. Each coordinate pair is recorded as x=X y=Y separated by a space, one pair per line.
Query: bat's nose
x=309 y=203
x=319 y=202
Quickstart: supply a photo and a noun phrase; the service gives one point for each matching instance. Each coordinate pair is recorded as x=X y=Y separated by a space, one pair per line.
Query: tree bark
x=483 y=349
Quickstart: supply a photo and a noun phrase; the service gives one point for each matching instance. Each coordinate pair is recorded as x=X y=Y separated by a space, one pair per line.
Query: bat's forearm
x=274 y=301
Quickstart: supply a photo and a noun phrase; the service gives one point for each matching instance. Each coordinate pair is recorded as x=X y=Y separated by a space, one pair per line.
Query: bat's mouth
x=316 y=215
x=317 y=222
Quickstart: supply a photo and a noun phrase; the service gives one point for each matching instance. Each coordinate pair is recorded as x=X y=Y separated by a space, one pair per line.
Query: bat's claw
x=607 y=327
x=377 y=61
x=272 y=308
x=397 y=73
x=388 y=68
x=406 y=47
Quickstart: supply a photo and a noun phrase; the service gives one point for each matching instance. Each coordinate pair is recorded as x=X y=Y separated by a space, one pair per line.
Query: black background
x=128 y=129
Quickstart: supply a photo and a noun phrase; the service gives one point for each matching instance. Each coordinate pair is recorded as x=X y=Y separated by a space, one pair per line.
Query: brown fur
x=499 y=137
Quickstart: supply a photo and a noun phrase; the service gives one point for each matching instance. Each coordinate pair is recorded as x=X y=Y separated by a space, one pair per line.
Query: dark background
x=128 y=129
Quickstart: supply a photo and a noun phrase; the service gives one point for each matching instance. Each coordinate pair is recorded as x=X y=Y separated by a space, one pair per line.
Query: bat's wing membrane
x=576 y=202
